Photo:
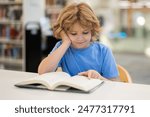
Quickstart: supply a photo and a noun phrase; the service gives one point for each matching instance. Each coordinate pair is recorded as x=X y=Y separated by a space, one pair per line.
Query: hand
x=91 y=74
x=65 y=37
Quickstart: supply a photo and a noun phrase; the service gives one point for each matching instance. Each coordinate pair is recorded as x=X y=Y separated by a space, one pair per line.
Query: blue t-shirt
x=95 y=57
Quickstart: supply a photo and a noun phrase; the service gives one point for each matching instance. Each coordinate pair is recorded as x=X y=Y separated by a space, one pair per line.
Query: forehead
x=77 y=27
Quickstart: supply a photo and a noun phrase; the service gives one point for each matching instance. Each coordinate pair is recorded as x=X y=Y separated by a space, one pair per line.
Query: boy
x=77 y=53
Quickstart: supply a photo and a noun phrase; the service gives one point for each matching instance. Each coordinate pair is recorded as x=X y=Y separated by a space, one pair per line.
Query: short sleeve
x=56 y=46
x=109 y=67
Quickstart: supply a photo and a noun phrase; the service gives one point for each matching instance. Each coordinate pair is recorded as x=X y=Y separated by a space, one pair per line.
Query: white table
x=109 y=90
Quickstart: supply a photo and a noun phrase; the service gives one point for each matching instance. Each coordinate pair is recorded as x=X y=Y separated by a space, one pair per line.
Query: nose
x=80 y=37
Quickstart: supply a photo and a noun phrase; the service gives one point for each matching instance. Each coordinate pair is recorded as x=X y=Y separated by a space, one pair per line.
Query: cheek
x=88 y=37
x=72 y=37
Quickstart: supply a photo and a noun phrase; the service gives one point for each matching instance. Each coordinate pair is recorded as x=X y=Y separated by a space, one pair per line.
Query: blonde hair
x=77 y=13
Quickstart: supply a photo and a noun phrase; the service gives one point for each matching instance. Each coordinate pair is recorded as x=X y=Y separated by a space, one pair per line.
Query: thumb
x=83 y=74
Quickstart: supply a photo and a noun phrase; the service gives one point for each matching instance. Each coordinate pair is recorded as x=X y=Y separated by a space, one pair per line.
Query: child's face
x=80 y=37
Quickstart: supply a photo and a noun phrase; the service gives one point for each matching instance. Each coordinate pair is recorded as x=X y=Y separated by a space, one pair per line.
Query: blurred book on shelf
x=11 y=44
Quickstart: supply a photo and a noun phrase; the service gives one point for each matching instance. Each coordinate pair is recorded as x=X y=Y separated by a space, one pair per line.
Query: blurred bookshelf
x=53 y=8
x=11 y=35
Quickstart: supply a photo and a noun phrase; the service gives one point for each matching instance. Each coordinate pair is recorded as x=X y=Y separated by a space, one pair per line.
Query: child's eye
x=85 y=32
x=73 y=33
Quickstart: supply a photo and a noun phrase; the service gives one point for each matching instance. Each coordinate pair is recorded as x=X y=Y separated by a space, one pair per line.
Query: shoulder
x=100 y=46
x=104 y=50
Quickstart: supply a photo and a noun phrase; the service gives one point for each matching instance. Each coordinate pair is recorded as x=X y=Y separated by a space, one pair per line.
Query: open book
x=61 y=81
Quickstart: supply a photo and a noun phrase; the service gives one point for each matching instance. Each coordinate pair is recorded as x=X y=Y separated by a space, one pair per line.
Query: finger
x=97 y=76
x=89 y=74
x=93 y=75
x=83 y=74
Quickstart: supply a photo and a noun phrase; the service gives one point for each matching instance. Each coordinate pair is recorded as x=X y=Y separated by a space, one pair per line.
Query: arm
x=50 y=63
x=95 y=74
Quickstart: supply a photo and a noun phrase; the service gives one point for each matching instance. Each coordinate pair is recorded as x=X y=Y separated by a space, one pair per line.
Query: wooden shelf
x=10 y=3
x=11 y=61
x=6 y=21
x=11 y=41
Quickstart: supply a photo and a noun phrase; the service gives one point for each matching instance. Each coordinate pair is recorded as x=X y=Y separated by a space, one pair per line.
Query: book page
x=47 y=79
x=80 y=82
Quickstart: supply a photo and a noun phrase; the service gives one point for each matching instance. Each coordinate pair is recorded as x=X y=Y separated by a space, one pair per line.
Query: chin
x=81 y=46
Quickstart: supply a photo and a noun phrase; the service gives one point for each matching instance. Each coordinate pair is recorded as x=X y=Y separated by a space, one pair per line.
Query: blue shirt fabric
x=95 y=57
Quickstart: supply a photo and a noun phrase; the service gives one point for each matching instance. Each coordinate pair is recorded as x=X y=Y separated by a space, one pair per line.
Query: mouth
x=80 y=42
